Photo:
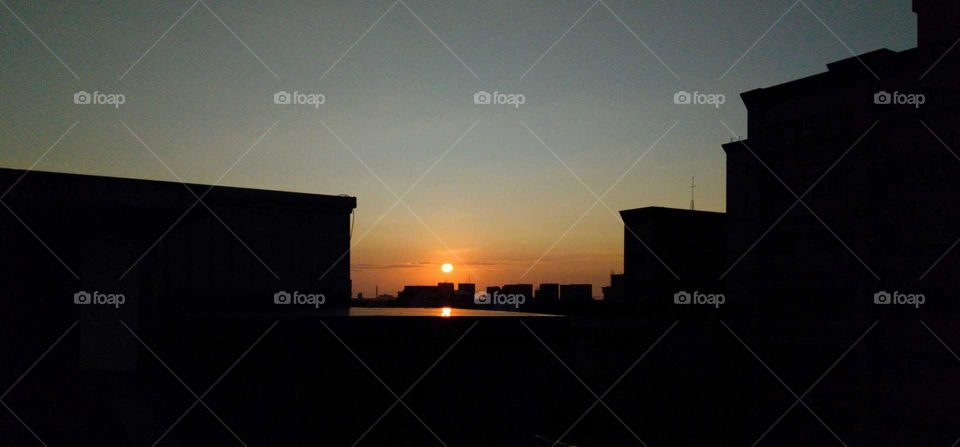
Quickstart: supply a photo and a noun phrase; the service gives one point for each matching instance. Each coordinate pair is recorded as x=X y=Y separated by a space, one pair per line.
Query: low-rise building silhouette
x=175 y=252
x=666 y=249
x=547 y=294
x=576 y=293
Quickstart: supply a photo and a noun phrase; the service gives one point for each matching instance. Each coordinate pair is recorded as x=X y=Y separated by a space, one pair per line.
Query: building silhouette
x=576 y=294
x=173 y=259
x=526 y=290
x=614 y=293
x=848 y=178
x=667 y=249
x=548 y=294
x=99 y=227
x=465 y=294
x=844 y=186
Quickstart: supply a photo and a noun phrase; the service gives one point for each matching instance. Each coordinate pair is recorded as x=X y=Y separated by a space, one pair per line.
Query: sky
x=506 y=192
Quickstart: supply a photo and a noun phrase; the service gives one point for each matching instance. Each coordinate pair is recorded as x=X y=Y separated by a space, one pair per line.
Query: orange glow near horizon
x=446 y=312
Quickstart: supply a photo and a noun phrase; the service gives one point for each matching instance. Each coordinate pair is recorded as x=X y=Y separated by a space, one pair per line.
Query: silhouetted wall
x=877 y=179
x=169 y=256
x=938 y=20
x=667 y=249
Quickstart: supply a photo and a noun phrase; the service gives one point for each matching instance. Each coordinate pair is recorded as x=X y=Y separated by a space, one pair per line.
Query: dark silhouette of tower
x=938 y=22
x=846 y=183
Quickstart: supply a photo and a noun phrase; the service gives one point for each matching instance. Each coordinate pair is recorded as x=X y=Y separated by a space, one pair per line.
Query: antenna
x=693 y=184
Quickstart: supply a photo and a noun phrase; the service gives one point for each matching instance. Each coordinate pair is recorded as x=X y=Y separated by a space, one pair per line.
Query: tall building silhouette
x=846 y=182
x=845 y=186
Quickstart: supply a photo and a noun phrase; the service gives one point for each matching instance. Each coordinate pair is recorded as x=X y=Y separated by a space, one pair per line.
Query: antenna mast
x=693 y=184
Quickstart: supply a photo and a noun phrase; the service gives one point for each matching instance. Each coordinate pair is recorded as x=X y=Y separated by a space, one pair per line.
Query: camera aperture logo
x=685 y=98
x=103 y=299
x=83 y=98
x=299 y=99
x=515 y=300
x=711 y=299
x=909 y=299
x=499 y=99
x=899 y=99
x=309 y=299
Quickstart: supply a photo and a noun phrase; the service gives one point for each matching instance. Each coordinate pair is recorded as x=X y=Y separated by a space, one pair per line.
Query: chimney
x=938 y=22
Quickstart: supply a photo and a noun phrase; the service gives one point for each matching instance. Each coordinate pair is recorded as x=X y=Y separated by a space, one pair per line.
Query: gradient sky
x=499 y=200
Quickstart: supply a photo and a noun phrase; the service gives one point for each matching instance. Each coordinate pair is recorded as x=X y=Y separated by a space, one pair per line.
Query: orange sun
x=446 y=268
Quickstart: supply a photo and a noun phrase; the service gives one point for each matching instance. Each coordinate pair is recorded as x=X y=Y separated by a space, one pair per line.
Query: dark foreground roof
x=659 y=211
x=91 y=190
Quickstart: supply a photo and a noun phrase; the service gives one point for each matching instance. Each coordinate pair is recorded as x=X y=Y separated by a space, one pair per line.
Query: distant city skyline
x=505 y=192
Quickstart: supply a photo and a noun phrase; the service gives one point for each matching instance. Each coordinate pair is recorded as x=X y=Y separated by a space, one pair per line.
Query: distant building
x=614 y=293
x=547 y=294
x=526 y=290
x=576 y=293
x=518 y=289
x=419 y=296
x=445 y=291
x=466 y=288
x=464 y=295
x=442 y=294
x=667 y=249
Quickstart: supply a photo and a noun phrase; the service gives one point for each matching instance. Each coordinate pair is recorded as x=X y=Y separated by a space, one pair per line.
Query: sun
x=446 y=267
